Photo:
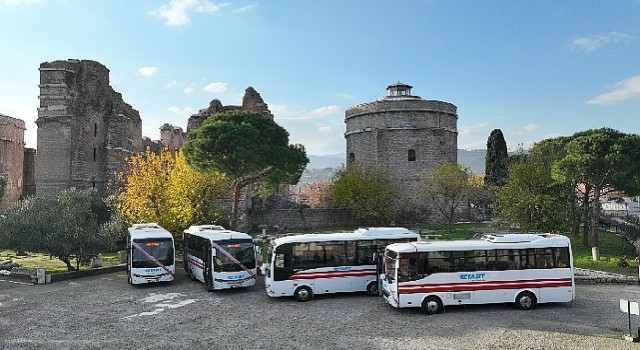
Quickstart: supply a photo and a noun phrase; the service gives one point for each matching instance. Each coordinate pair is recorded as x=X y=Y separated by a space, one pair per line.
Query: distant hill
x=328 y=161
x=323 y=167
x=474 y=159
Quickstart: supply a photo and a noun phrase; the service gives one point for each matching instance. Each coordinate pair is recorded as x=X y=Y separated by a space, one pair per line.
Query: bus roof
x=500 y=241
x=369 y=233
x=215 y=233
x=148 y=230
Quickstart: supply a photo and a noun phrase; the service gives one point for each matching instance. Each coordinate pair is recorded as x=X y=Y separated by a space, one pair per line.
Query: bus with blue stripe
x=151 y=254
x=219 y=258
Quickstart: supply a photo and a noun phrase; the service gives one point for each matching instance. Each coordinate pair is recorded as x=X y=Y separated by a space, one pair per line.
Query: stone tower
x=85 y=129
x=402 y=134
x=11 y=159
x=171 y=136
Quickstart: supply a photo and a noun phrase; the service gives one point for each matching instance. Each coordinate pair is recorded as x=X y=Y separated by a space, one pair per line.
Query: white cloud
x=324 y=111
x=593 y=43
x=19 y=2
x=187 y=90
x=181 y=111
x=177 y=12
x=324 y=129
x=623 y=90
x=281 y=111
x=345 y=96
x=529 y=128
x=171 y=84
x=148 y=71
x=216 y=87
x=244 y=9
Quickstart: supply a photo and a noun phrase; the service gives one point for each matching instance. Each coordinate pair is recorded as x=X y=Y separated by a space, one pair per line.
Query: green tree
x=246 y=147
x=365 y=191
x=601 y=160
x=530 y=198
x=71 y=225
x=162 y=188
x=496 y=160
x=444 y=187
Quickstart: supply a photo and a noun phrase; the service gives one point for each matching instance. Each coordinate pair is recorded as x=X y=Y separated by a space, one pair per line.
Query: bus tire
x=526 y=300
x=432 y=305
x=190 y=273
x=303 y=294
x=372 y=288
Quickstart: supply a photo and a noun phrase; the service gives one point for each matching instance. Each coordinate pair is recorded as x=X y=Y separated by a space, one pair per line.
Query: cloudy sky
x=534 y=69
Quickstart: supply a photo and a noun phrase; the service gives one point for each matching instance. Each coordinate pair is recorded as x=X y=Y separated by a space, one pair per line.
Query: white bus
x=524 y=269
x=151 y=254
x=220 y=258
x=305 y=265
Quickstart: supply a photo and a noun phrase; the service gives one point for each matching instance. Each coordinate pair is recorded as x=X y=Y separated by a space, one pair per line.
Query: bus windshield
x=159 y=248
x=243 y=251
x=390 y=266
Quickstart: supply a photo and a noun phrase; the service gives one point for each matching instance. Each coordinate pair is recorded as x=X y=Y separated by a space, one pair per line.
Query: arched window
x=352 y=157
x=412 y=155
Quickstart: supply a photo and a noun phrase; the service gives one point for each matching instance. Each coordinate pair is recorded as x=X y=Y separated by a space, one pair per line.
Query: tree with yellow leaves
x=162 y=188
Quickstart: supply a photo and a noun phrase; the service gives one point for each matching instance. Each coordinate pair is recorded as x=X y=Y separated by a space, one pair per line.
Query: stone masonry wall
x=11 y=159
x=29 y=173
x=381 y=133
x=298 y=218
x=85 y=129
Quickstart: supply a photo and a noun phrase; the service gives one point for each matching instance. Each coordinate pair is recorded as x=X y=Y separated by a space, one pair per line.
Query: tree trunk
x=67 y=261
x=237 y=187
x=595 y=227
x=452 y=209
x=585 y=217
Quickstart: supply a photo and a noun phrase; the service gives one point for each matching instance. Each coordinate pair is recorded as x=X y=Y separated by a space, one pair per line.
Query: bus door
x=283 y=267
x=208 y=255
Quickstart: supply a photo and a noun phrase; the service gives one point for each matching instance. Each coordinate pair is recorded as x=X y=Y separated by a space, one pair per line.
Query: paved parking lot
x=104 y=312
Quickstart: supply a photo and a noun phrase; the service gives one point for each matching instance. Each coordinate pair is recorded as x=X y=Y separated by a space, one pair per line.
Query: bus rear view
x=151 y=254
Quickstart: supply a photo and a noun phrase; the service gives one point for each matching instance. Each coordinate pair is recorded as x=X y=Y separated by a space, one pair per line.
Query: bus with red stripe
x=523 y=269
x=219 y=258
x=305 y=265
x=151 y=254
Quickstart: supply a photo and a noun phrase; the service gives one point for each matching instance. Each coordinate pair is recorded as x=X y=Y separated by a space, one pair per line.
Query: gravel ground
x=104 y=312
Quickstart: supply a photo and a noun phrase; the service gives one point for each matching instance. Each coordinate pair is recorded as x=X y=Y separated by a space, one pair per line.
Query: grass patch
x=51 y=264
x=611 y=249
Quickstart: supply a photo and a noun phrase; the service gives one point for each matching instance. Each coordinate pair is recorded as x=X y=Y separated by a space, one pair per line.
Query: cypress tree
x=495 y=164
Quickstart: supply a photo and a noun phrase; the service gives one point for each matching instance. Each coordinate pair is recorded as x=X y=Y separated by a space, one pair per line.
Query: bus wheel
x=432 y=305
x=303 y=294
x=372 y=288
x=190 y=274
x=526 y=301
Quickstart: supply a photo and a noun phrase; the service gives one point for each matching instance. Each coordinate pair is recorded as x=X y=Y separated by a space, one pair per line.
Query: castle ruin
x=11 y=159
x=251 y=101
x=403 y=135
x=85 y=129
